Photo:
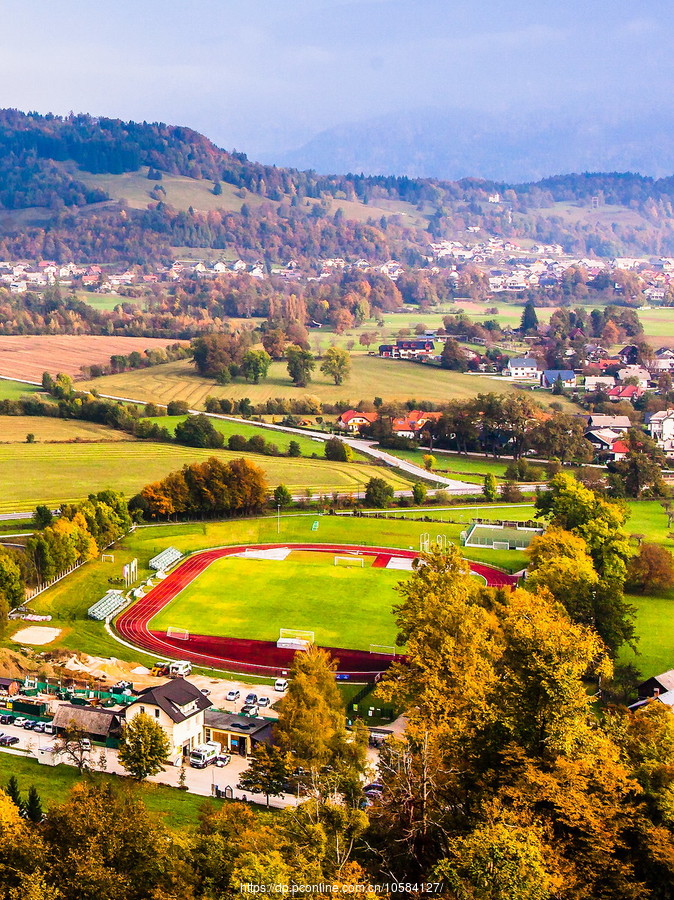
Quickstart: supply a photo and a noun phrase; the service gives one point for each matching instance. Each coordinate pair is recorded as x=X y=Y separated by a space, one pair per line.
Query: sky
x=264 y=77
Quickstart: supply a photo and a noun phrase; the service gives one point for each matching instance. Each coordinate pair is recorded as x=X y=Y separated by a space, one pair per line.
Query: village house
x=642 y=375
x=631 y=392
x=598 y=383
x=407 y=349
x=179 y=707
x=352 y=420
x=522 y=367
x=550 y=377
x=660 y=426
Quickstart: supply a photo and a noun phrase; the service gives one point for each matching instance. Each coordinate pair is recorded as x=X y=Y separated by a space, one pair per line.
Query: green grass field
x=47 y=473
x=14 y=390
x=280 y=438
x=105 y=302
x=370 y=377
x=15 y=428
x=470 y=468
x=178 y=810
x=247 y=598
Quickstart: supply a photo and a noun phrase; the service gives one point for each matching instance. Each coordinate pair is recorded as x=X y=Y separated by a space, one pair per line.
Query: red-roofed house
x=629 y=392
x=352 y=420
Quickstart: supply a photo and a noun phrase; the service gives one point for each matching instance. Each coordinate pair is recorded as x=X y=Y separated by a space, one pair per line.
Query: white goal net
x=350 y=561
x=382 y=649
x=294 y=639
x=180 y=634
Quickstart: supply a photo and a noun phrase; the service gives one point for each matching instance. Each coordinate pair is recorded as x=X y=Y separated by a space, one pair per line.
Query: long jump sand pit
x=37 y=635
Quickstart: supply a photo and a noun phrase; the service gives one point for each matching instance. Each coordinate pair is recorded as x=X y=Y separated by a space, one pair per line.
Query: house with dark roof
x=94 y=722
x=656 y=685
x=179 y=707
x=236 y=733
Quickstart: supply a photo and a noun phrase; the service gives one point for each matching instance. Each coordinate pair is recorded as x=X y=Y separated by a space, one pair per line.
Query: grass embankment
x=282 y=439
x=370 y=377
x=179 y=810
x=44 y=473
x=469 y=468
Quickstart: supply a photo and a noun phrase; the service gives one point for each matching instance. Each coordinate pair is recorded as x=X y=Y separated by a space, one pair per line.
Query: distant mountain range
x=506 y=147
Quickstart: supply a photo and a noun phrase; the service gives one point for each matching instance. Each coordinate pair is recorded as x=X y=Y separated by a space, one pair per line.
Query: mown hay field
x=27 y=356
x=52 y=473
x=370 y=377
x=16 y=428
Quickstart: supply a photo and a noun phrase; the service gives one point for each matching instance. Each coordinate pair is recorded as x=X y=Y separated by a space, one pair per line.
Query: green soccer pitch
x=345 y=606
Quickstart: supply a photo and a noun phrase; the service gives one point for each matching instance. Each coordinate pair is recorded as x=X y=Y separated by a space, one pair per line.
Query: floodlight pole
x=278 y=518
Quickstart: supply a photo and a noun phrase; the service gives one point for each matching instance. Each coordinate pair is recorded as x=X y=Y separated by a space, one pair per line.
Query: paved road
x=198 y=781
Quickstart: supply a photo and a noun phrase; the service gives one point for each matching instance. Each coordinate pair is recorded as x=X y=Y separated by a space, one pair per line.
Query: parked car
x=29 y=724
x=264 y=701
x=250 y=709
x=8 y=740
x=49 y=728
x=20 y=721
x=281 y=685
x=233 y=695
x=5 y=719
x=39 y=727
x=224 y=759
x=251 y=698
x=205 y=692
x=85 y=743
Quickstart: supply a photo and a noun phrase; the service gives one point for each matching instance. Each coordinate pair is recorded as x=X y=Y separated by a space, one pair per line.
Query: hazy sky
x=265 y=76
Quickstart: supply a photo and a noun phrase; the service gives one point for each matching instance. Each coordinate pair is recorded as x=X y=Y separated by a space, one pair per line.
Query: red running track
x=248 y=656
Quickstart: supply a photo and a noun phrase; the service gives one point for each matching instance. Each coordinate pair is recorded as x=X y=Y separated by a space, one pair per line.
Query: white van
x=281 y=685
x=180 y=669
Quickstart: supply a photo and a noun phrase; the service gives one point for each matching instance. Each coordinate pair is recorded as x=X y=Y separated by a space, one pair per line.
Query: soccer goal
x=294 y=639
x=180 y=634
x=382 y=650
x=350 y=561
x=107 y=557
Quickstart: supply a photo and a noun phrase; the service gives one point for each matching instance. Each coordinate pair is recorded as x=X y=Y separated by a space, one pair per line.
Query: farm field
x=227 y=427
x=28 y=356
x=370 y=377
x=246 y=598
x=15 y=428
x=36 y=473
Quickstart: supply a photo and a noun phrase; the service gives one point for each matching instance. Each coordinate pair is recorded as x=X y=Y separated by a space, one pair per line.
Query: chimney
x=656 y=693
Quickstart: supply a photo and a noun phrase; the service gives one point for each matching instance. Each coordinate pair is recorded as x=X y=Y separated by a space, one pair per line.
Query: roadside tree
x=144 y=748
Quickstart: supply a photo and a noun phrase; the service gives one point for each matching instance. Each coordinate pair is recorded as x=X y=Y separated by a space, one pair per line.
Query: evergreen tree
x=529 y=321
x=13 y=792
x=33 y=807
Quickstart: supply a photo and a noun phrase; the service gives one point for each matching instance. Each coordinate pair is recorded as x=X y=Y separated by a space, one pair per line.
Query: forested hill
x=101 y=189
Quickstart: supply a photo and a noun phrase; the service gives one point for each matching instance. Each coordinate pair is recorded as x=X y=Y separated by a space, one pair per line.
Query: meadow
x=370 y=377
x=53 y=474
x=245 y=598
